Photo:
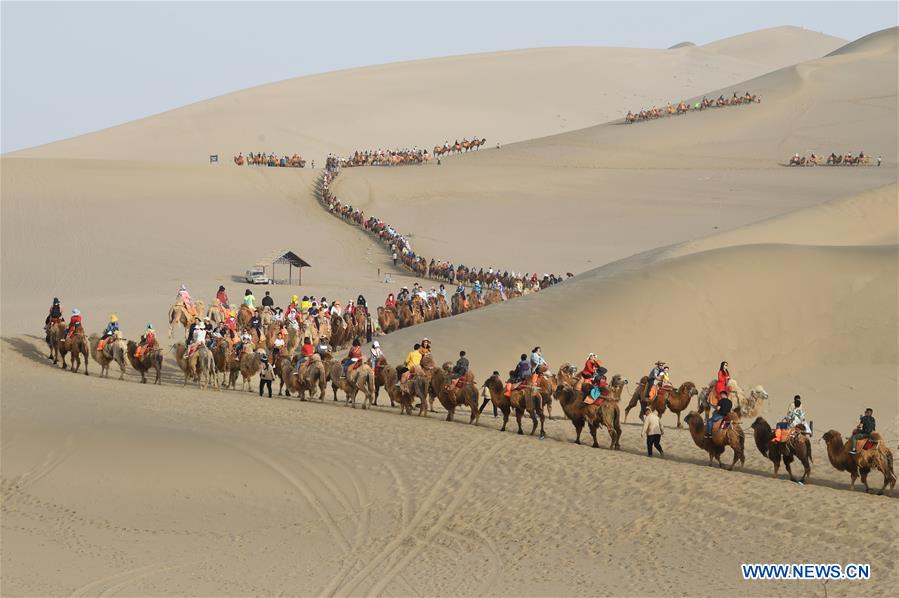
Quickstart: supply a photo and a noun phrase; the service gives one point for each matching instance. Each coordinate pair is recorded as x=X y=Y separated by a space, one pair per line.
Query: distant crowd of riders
x=834 y=159
x=683 y=107
x=261 y=159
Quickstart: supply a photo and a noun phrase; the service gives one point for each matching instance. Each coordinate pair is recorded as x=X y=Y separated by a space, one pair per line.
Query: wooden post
x=300 y=275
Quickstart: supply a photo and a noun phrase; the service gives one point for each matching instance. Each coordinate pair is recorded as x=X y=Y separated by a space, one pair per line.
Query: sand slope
x=694 y=174
x=505 y=97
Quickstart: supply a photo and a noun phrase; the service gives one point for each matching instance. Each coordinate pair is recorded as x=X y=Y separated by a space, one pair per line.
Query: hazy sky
x=73 y=67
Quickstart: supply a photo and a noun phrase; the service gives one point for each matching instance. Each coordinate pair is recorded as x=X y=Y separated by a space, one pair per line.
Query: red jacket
x=723 y=379
x=356 y=353
x=308 y=350
x=290 y=309
x=73 y=321
x=222 y=296
x=589 y=368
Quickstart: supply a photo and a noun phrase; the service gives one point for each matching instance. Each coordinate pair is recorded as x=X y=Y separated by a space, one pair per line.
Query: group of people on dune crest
x=296 y=346
x=260 y=159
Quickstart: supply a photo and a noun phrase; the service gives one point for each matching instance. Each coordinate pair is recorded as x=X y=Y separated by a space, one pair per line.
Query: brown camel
x=385 y=377
x=310 y=375
x=414 y=388
x=360 y=379
x=732 y=437
x=56 y=332
x=452 y=395
x=605 y=413
x=877 y=457
x=797 y=446
x=675 y=400
x=250 y=365
x=151 y=358
x=527 y=398
x=114 y=351
x=79 y=348
x=387 y=319
x=640 y=396
x=183 y=363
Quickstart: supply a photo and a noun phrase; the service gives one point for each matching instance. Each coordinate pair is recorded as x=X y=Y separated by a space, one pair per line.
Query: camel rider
x=112 y=328
x=256 y=323
x=523 y=370
x=722 y=411
x=460 y=290
x=210 y=337
x=222 y=297
x=185 y=296
x=74 y=322
x=390 y=302
x=306 y=351
x=335 y=309
x=190 y=331
x=354 y=355
x=413 y=359
x=245 y=339
x=795 y=418
x=147 y=341
x=723 y=379
x=538 y=363
x=590 y=367
x=268 y=302
x=442 y=291
x=425 y=346
x=864 y=429
x=477 y=288
x=360 y=301
x=461 y=368
x=198 y=341
x=323 y=347
x=55 y=314
x=376 y=354
x=249 y=300
x=305 y=304
x=653 y=380
x=277 y=346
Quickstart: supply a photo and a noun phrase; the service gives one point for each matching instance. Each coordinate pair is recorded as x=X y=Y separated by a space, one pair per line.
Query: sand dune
x=505 y=97
x=696 y=174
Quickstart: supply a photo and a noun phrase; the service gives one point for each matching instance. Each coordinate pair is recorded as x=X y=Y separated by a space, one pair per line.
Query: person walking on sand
x=652 y=430
x=266 y=375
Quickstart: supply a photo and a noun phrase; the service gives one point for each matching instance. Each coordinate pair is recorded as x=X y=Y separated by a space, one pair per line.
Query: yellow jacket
x=413 y=359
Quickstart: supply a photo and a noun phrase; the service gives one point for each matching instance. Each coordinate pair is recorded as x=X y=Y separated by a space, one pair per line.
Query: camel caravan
x=408 y=308
x=260 y=159
x=683 y=107
x=397 y=157
x=833 y=159
x=459 y=147
x=276 y=345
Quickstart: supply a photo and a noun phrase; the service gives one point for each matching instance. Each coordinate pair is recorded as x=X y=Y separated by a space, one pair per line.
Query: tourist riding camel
x=55 y=314
x=866 y=426
x=75 y=322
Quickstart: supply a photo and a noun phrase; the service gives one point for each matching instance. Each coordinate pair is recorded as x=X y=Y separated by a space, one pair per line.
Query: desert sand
x=690 y=241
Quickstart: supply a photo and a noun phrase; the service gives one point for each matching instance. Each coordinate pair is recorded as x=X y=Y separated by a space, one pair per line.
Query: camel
x=114 y=351
x=798 y=446
x=185 y=365
x=250 y=364
x=311 y=374
x=408 y=391
x=360 y=379
x=151 y=358
x=216 y=312
x=78 y=346
x=877 y=457
x=675 y=400
x=641 y=396
x=387 y=319
x=605 y=413
x=731 y=437
x=459 y=304
x=56 y=332
x=385 y=377
x=452 y=396
x=181 y=314
x=744 y=406
x=202 y=364
x=527 y=399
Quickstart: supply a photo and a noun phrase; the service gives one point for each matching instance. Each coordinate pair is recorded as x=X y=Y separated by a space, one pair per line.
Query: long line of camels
x=220 y=367
x=684 y=107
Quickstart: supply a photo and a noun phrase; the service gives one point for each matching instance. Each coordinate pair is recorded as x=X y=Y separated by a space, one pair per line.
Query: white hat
x=376 y=344
x=76 y=312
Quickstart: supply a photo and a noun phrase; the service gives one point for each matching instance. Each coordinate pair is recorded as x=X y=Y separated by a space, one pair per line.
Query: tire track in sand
x=406 y=534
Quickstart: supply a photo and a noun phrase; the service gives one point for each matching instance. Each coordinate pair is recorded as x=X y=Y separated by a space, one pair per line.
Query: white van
x=256 y=275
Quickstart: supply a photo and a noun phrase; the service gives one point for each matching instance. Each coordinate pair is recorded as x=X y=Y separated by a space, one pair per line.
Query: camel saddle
x=784 y=436
x=866 y=444
x=466 y=378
